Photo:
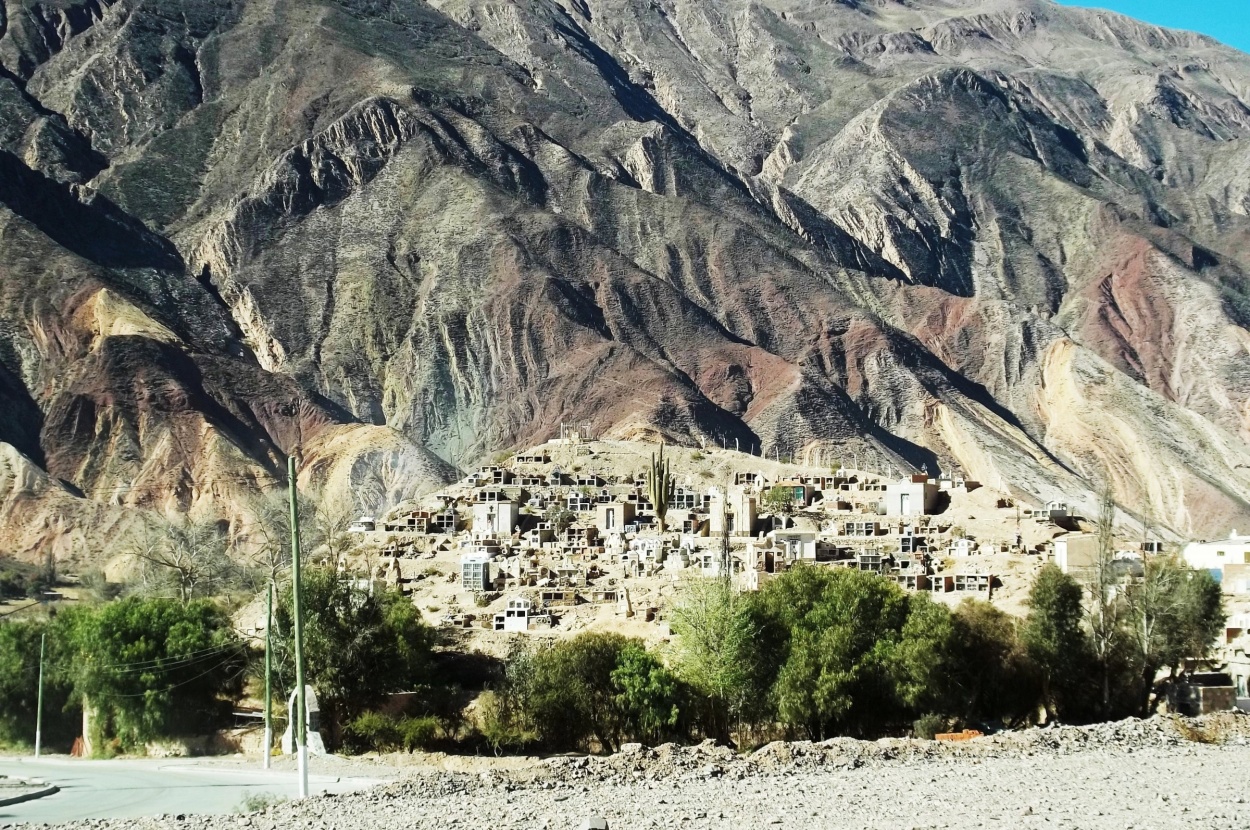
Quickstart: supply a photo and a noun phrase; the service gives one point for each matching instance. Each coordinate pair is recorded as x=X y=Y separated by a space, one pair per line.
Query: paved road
x=132 y=788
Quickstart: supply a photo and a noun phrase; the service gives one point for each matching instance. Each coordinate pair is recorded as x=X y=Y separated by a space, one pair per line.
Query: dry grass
x=1207 y=731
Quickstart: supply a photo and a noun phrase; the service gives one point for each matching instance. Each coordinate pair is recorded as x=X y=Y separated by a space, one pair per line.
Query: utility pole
x=726 y=559
x=268 y=748
x=39 y=705
x=301 y=705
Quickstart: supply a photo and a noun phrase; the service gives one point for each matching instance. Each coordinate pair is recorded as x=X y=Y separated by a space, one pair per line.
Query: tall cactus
x=659 y=485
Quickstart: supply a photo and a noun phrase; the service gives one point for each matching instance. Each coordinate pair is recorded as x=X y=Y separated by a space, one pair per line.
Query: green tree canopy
x=359 y=645
x=1174 y=613
x=19 y=685
x=649 y=695
x=778 y=499
x=149 y=667
x=921 y=663
x=594 y=686
x=988 y=673
x=722 y=653
x=1055 y=641
x=839 y=631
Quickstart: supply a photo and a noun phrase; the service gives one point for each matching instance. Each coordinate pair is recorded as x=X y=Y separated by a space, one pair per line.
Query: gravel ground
x=1161 y=773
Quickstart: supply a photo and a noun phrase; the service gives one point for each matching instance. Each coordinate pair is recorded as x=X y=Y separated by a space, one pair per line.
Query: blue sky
x=1224 y=20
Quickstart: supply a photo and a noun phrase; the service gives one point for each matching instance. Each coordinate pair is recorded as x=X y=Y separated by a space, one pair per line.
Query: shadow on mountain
x=97 y=230
x=20 y=417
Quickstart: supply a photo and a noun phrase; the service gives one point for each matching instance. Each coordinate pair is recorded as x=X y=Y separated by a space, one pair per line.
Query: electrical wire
x=162 y=663
x=123 y=489
x=113 y=696
x=131 y=663
x=21 y=607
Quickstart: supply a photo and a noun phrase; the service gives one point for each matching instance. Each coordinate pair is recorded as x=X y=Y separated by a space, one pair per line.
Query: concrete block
x=593 y=823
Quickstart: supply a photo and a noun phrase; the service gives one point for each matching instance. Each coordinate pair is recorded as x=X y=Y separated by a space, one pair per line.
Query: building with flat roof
x=1216 y=556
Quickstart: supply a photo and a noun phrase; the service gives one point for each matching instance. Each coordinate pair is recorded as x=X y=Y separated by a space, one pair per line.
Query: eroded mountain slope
x=1005 y=235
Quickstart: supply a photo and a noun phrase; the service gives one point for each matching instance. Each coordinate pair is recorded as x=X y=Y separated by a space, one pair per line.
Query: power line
x=21 y=608
x=121 y=489
x=132 y=663
x=160 y=663
x=145 y=693
x=263 y=481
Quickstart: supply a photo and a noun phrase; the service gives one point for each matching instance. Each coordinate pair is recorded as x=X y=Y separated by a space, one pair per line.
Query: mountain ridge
x=1007 y=236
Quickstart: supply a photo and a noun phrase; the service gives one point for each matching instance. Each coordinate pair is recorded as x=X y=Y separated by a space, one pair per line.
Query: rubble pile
x=1158 y=773
x=710 y=760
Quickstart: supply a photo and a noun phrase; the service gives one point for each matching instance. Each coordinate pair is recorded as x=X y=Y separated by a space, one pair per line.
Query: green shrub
x=373 y=730
x=387 y=733
x=418 y=733
x=255 y=802
x=928 y=726
x=498 y=724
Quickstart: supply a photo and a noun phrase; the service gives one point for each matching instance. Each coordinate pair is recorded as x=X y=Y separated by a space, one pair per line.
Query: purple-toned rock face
x=1005 y=237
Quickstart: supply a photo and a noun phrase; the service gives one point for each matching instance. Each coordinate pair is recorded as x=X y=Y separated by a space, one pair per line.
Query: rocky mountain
x=1007 y=236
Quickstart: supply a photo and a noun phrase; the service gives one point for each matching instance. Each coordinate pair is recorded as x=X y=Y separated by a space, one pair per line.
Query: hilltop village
x=566 y=536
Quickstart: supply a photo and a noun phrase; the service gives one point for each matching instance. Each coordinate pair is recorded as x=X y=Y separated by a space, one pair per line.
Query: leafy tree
x=19 y=685
x=1107 y=610
x=559 y=516
x=649 y=695
x=148 y=667
x=717 y=653
x=1054 y=639
x=988 y=673
x=1174 y=613
x=360 y=645
x=594 y=687
x=1200 y=618
x=778 y=499
x=841 y=629
x=568 y=696
x=921 y=662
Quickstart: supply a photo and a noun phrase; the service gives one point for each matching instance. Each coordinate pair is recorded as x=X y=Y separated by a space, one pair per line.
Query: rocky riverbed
x=1161 y=773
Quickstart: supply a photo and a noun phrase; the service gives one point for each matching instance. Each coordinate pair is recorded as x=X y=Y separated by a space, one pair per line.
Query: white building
x=475 y=572
x=516 y=617
x=495 y=518
x=962 y=547
x=911 y=497
x=738 y=513
x=794 y=544
x=1214 y=556
x=365 y=524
